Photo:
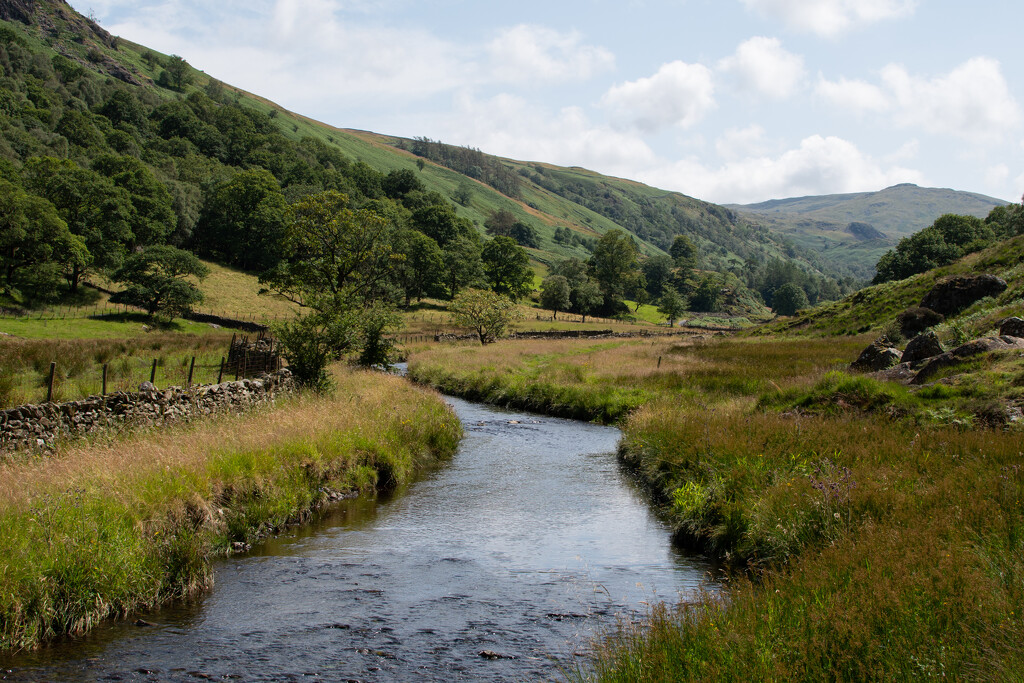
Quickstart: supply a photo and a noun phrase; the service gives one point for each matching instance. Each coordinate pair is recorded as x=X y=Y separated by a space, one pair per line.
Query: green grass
x=871 y=531
x=131 y=522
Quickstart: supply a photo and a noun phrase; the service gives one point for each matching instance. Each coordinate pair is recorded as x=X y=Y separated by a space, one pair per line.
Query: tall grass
x=868 y=540
x=25 y=364
x=100 y=530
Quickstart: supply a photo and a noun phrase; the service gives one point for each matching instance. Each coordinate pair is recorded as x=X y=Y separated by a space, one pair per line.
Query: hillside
x=874 y=308
x=185 y=147
x=856 y=229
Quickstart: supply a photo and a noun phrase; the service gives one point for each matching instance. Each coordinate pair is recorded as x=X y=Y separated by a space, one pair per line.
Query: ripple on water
x=499 y=566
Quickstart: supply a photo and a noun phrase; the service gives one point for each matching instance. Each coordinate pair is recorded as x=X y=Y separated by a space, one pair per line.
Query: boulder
x=963 y=352
x=878 y=356
x=955 y=293
x=921 y=347
x=1012 y=327
x=916 y=320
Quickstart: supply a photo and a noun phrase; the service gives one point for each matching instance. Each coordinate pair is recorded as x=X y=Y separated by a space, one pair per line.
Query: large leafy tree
x=614 y=265
x=92 y=207
x=152 y=218
x=336 y=262
x=156 y=279
x=244 y=220
x=555 y=294
x=35 y=244
x=489 y=314
x=507 y=267
x=421 y=270
x=789 y=298
x=671 y=305
x=331 y=250
x=464 y=266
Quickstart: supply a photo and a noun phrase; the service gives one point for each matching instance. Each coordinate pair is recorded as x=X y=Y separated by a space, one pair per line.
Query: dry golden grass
x=133 y=520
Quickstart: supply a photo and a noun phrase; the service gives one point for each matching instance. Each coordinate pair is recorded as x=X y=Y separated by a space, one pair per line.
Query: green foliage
x=947 y=239
x=36 y=246
x=788 y=299
x=707 y=297
x=503 y=223
x=243 y=221
x=156 y=279
x=330 y=250
x=671 y=305
x=463 y=264
x=614 y=264
x=489 y=314
x=555 y=294
x=315 y=339
x=684 y=252
x=507 y=267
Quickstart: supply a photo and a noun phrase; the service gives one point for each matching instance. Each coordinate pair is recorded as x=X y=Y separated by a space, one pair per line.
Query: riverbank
x=130 y=522
x=874 y=540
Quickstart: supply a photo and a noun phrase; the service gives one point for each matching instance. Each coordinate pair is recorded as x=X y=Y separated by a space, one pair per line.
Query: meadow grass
x=866 y=539
x=25 y=363
x=130 y=521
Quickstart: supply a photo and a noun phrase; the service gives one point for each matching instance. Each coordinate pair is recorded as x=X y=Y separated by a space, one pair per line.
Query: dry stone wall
x=39 y=426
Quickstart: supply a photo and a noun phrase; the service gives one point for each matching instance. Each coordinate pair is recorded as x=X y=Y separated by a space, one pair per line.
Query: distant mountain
x=856 y=229
x=75 y=92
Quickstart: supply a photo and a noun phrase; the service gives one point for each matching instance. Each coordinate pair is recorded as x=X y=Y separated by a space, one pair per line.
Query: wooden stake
x=191 y=367
x=49 y=383
x=152 y=373
x=104 y=380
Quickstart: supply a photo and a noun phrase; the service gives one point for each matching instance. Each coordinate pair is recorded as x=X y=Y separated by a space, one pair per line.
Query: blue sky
x=727 y=100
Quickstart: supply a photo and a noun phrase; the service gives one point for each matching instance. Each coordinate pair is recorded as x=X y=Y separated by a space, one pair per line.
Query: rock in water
x=953 y=294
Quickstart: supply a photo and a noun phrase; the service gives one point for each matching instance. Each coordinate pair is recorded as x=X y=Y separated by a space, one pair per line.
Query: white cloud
x=820 y=165
x=528 y=53
x=737 y=143
x=853 y=95
x=680 y=94
x=831 y=17
x=972 y=101
x=761 y=65
x=510 y=126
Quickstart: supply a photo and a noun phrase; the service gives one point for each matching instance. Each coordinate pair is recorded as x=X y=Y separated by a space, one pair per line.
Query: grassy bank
x=604 y=380
x=103 y=529
x=875 y=532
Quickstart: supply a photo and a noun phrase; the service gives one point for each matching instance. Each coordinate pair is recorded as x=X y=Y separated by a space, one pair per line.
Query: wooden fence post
x=104 y=393
x=191 y=367
x=152 y=374
x=49 y=383
x=220 y=374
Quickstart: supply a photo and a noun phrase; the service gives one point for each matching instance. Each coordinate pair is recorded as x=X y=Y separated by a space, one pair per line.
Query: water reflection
x=518 y=549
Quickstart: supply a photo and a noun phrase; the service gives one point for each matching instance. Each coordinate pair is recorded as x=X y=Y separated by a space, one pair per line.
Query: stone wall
x=39 y=426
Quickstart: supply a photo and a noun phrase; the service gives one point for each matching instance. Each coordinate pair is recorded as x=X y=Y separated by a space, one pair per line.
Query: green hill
x=856 y=229
x=174 y=138
x=874 y=309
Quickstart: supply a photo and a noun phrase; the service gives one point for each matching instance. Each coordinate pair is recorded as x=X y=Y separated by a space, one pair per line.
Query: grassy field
x=131 y=521
x=123 y=345
x=873 y=532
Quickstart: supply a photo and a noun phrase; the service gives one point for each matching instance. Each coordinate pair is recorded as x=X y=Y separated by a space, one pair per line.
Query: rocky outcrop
x=39 y=426
x=880 y=355
x=965 y=351
x=955 y=293
x=1012 y=327
x=922 y=347
x=916 y=320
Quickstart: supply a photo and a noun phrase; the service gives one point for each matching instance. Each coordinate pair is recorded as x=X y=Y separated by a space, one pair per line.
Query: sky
x=730 y=101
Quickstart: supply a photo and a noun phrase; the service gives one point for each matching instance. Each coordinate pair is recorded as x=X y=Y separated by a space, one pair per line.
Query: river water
x=498 y=566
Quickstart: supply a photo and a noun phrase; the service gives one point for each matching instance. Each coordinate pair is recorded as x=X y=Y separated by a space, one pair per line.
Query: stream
x=501 y=565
